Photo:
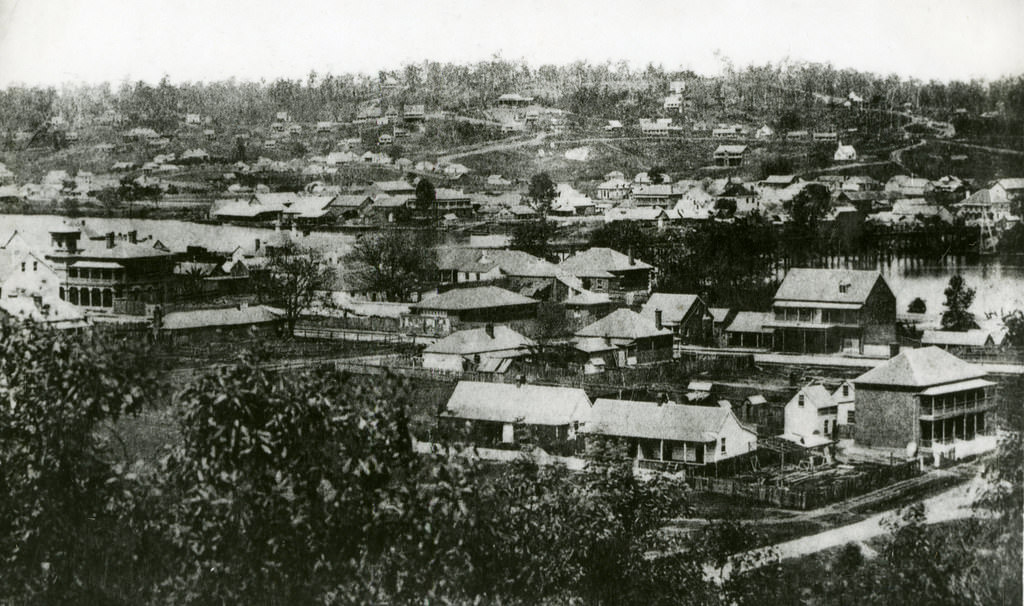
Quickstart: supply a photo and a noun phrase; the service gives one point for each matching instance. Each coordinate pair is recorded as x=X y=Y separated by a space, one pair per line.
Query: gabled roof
x=480 y=297
x=511 y=403
x=231 y=316
x=585 y=263
x=822 y=285
x=720 y=314
x=476 y=340
x=674 y=307
x=309 y=207
x=587 y=297
x=623 y=324
x=815 y=395
x=668 y=421
x=922 y=367
x=780 y=179
x=730 y=149
x=1010 y=184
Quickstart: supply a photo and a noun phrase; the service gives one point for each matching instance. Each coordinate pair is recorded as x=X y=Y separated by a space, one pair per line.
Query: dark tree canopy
x=293 y=279
x=959 y=298
x=533 y=237
x=917 y=306
x=393 y=262
x=542 y=191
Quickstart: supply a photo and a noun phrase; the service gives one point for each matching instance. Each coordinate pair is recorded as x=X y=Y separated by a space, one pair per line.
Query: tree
x=280 y=480
x=542 y=191
x=958 y=302
x=292 y=279
x=533 y=237
x=917 y=306
x=657 y=175
x=1014 y=323
x=426 y=198
x=63 y=499
x=393 y=262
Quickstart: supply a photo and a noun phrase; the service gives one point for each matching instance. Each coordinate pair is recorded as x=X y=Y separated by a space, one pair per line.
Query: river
x=1000 y=287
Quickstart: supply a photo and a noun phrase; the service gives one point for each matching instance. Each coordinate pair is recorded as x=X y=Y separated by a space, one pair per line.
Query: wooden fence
x=803 y=498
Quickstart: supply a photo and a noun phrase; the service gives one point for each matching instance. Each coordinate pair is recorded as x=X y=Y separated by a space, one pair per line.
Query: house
x=193 y=119
x=658 y=128
x=926 y=397
x=825 y=137
x=860 y=183
x=720 y=319
x=749 y=329
x=415 y=112
x=831 y=310
x=256 y=209
x=609 y=271
x=312 y=210
x=951 y=339
x=779 y=181
x=389 y=209
x=462 y=265
x=613 y=125
x=477 y=304
x=493 y=412
x=845 y=153
x=385 y=139
x=673 y=103
x=983 y=205
x=765 y=132
x=447 y=201
x=908 y=187
x=348 y=207
x=669 y=432
x=111 y=273
x=664 y=195
x=24 y=272
x=635 y=338
x=644 y=214
x=729 y=155
x=490 y=348
x=1008 y=189
x=797 y=135
x=687 y=316
x=324 y=126
x=514 y=100
x=614 y=189
x=810 y=416
x=45 y=310
x=205 y=324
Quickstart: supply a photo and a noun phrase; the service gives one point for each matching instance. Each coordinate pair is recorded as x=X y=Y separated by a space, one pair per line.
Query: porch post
x=661 y=450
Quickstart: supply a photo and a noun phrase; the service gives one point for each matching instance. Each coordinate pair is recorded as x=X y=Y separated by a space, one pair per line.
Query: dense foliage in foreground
x=304 y=488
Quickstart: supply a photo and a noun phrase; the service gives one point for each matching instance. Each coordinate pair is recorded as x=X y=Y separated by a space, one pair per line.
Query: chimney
x=894 y=350
x=133 y=236
x=256 y=245
x=110 y=239
x=657 y=319
x=489 y=329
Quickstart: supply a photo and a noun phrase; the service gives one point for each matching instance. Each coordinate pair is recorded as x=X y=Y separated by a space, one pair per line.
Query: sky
x=50 y=42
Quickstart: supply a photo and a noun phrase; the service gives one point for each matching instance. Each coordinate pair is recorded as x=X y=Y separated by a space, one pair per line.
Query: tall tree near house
x=542 y=192
x=657 y=175
x=959 y=298
x=291 y=280
x=1014 y=323
x=426 y=198
x=392 y=262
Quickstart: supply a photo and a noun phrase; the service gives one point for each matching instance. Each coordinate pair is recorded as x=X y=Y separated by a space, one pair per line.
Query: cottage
x=825 y=137
x=462 y=265
x=951 y=339
x=983 y=205
x=635 y=338
x=606 y=270
x=845 y=153
x=477 y=304
x=664 y=195
x=925 y=397
x=490 y=348
x=831 y=310
x=687 y=316
x=514 y=100
x=779 y=181
x=797 y=135
x=614 y=189
x=492 y=413
x=673 y=103
x=669 y=432
x=211 y=324
x=415 y=112
x=729 y=155
x=765 y=132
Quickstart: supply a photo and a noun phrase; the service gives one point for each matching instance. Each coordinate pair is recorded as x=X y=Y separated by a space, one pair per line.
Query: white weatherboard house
x=696 y=435
x=493 y=411
x=490 y=348
x=810 y=417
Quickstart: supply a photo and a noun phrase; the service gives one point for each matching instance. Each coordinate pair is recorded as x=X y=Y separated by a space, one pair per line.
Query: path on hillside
x=951 y=504
x=493 y=147
x=896 y=156
x=995 y=150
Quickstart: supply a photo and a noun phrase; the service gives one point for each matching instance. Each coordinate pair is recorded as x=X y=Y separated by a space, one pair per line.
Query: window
x=826 y=427
x=849 y=417
x=723 y=445
x=800 y=400
x=846 y=390
x=844 y=287
x=35 y=266
x=22 y=266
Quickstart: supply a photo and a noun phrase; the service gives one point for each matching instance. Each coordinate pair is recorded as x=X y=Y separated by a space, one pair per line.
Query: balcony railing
x=931 y=412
